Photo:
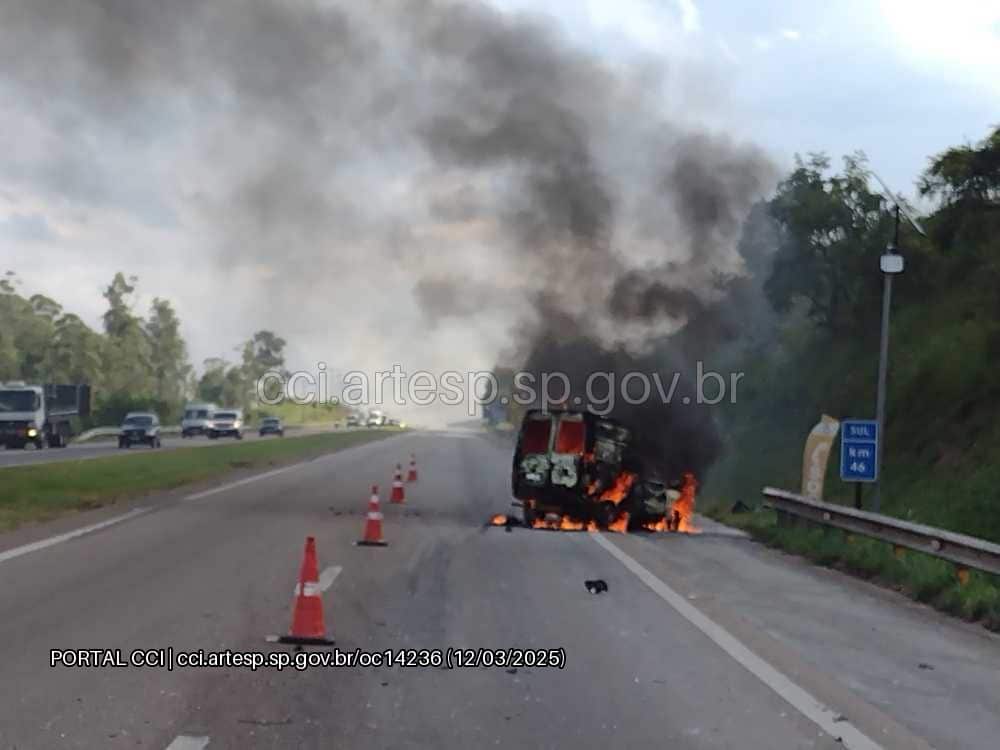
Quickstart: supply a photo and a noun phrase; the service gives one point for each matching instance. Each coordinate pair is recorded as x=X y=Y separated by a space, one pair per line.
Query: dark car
x=353 y=421
x=140 y=428
x=271 y=426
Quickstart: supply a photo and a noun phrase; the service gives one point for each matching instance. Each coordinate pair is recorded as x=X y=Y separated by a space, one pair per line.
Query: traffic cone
x=411 y=476
x=307 y=617
x=398 y=495
x=373 y=524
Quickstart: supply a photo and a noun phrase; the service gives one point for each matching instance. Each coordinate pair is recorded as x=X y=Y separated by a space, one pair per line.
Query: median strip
x=41 y=492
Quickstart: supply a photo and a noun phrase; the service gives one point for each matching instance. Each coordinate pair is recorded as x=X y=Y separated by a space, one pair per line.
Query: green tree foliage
x=133 y=364
x=168 y=355
x=265 y=351
x=942 y=432
x=212 y=383
x=966 y=182
x=128 y=364
x=831 y=231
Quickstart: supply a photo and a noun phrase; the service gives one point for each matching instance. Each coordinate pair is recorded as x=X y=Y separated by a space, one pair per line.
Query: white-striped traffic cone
x=373 y=523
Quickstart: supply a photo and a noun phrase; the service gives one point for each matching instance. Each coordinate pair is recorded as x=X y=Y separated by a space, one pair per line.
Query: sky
x=88 y=191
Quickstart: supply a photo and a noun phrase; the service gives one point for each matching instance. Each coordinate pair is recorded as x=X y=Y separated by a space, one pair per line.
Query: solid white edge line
x=59 y=538
x=241 y=482
x=184 y=742
x=825 y=718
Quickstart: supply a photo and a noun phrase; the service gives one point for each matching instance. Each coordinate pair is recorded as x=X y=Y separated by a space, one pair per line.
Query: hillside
x=942 y=431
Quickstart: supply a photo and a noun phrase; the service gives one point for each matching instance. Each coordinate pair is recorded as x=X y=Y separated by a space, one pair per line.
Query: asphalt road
x=705 y=641
x=99 y=448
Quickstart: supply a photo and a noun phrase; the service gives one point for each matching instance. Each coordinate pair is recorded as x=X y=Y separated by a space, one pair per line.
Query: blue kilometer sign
x=859 y=450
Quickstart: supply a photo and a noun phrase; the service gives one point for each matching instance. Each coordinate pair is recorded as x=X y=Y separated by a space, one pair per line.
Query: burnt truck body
x=578 y=464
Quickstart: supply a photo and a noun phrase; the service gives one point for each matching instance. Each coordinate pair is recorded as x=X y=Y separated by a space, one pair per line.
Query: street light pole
x=883 y=365
x=890 y=264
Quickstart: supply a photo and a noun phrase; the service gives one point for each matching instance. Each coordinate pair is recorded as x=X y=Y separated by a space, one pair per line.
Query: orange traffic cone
x=373 y=524
x=307 y=618
x=398 y=495
x=411 y=476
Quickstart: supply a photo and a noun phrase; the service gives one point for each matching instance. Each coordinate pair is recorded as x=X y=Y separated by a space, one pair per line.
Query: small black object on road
x=596 y=586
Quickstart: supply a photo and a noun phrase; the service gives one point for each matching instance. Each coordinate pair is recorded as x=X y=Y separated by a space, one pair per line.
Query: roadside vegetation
x=134 y=363
x=817 y=352
x=45 y=491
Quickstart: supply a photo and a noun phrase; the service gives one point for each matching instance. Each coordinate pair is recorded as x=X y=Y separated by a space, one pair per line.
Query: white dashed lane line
x=184 y=742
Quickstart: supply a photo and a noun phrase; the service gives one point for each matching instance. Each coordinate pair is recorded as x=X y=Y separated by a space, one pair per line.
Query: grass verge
x=41 y=492
x=922 y=577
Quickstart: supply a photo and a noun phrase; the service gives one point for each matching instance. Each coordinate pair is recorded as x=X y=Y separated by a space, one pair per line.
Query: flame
x=563 y=523
x=620 y=489
x=620 y=524
x=657 y=526
x=684 y=506
x=499 y=520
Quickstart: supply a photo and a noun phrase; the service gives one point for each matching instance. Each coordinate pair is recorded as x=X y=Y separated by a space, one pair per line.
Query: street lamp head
x=891 y=262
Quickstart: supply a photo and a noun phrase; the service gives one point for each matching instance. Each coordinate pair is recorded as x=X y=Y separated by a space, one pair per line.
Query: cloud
x=960 y=38
x=26 y=227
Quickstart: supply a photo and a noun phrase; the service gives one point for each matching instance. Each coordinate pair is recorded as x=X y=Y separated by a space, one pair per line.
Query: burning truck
x=578 y=470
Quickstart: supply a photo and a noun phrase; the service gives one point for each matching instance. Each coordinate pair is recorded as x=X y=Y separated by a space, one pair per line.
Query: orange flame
x=499 y=520
x=684 y=505
x=620 y=489
x=563 y=523
x=657 y=526
x=620 y=524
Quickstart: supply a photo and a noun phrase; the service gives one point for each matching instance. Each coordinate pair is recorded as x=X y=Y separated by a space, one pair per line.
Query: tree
x=168 y=356
x=830 y=232
x=74 y=355
x=212 y=384
x=966 y=182
x=263 y=352
x=127 y=364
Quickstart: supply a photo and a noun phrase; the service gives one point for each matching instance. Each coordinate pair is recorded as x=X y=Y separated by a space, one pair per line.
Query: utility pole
x=883 y=352
x=891 y=263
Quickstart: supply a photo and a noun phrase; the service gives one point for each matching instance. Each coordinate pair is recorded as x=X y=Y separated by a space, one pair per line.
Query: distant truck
x=41 y=415
x=376 y=418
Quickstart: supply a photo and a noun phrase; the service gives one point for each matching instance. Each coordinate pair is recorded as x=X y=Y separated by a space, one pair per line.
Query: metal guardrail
x=964 y=551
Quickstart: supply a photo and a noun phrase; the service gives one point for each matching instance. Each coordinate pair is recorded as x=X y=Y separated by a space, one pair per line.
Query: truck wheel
x=606 y=514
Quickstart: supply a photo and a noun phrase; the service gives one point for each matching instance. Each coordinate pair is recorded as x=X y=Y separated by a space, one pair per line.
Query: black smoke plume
x=519 y=181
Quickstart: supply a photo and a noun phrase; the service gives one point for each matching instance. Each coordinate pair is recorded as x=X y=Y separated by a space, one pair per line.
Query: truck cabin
x=19 y=399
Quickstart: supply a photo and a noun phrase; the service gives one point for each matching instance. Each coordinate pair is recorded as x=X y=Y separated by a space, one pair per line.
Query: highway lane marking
x=241 y=482
x=326 y=579
x=184 y=742
x=825 y=718
x=60 y=538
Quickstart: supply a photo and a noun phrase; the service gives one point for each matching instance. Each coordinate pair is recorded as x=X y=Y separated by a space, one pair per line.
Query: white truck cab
x=40 y=415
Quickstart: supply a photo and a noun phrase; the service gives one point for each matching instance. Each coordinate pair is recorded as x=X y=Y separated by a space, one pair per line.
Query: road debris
x=596 y=586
